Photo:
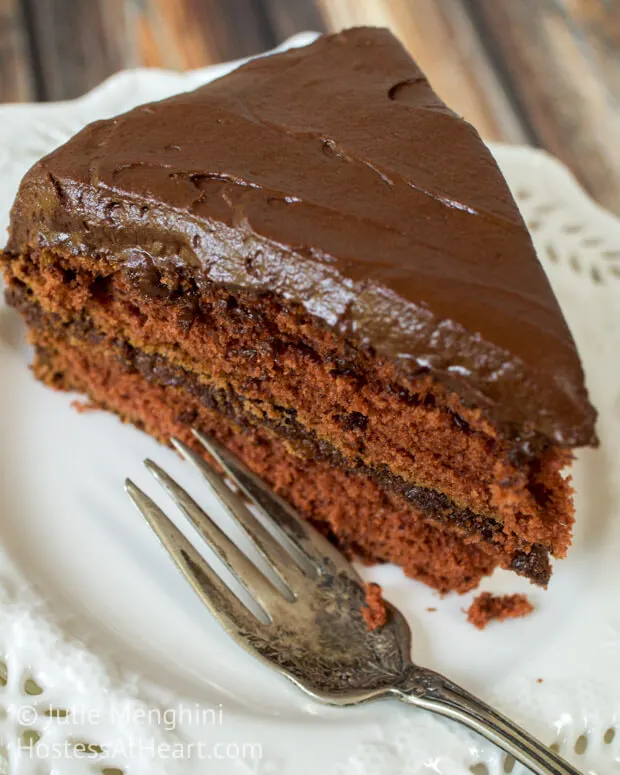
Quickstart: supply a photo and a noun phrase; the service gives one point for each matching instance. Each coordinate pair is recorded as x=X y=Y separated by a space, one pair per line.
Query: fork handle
x=431 y=691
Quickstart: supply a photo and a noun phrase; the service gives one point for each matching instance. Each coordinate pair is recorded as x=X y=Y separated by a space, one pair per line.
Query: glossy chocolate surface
x=334 y=177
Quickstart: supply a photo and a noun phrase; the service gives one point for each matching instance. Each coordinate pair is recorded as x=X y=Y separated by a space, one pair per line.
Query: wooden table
x=545 y=72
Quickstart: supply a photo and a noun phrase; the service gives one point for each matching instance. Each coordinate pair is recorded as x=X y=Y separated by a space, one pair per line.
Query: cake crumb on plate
x=486 y=608
x=85 y=406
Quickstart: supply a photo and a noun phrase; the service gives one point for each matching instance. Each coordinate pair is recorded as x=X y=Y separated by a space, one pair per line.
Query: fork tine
x=274 y=553
x=219 y=599
x=244 y=570
x=314 y=546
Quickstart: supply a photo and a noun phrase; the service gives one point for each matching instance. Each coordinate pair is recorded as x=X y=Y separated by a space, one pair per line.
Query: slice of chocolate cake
x=315 y=261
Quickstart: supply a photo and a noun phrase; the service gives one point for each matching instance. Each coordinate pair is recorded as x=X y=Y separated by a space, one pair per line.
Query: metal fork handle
x=431 y=691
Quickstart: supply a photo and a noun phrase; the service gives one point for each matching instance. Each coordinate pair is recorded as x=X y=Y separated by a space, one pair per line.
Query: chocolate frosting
x=334 y=177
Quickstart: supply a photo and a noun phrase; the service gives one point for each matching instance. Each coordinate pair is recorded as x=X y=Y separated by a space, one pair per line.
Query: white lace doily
x=74 y=700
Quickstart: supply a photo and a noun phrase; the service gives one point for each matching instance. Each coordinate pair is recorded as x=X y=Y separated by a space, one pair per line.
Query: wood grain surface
x=16 y=84
x=561 y=62
x=545 y=72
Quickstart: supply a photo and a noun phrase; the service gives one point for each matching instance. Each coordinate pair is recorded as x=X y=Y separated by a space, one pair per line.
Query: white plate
x=105 y=622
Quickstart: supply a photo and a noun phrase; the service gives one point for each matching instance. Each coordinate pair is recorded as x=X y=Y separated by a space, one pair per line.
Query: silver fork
x=314 y=632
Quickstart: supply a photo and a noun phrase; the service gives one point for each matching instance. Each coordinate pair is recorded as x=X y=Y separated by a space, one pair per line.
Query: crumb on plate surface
x=486 y=608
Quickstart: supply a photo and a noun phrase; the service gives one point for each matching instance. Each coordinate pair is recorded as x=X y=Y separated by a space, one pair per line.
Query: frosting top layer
x=333 y=176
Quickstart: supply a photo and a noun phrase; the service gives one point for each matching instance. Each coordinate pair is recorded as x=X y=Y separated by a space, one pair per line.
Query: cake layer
x=417 y=434
x=353 y=510
x=51 y=334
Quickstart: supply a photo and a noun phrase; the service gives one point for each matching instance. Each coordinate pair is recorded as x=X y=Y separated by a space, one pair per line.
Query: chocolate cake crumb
x=374 y=610
x=487 y=608
x=85 y=406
